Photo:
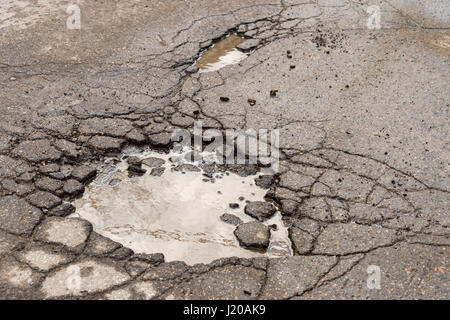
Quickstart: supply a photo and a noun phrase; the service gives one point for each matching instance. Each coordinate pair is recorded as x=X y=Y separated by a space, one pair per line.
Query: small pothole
x=175 y=208
x=221 y=54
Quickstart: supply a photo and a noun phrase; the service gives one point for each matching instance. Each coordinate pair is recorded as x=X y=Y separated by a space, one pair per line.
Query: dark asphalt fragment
x=233 y=205
x=260 y=210
x=265 y=181
x=253 y=235
x=231 y=219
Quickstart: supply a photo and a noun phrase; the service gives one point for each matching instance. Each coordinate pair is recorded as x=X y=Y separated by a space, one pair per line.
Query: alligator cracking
x=351 y=194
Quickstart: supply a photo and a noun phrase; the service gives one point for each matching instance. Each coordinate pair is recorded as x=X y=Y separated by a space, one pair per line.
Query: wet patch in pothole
x=221 y=54
x=176 y=207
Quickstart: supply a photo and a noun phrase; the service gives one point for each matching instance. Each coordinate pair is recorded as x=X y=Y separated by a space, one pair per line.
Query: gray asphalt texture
x=363 y=116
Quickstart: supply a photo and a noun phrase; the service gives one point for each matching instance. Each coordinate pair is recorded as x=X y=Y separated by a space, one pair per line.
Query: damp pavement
x=363 y=119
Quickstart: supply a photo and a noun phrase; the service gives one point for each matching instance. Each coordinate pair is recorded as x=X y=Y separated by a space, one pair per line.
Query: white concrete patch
x=146 y=289
x=94 y=276
x=69 y=232
x=42 y=260
x=119 y=294
x=16 y=275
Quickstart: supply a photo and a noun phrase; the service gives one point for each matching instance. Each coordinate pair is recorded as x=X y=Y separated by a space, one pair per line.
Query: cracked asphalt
x=363 y=117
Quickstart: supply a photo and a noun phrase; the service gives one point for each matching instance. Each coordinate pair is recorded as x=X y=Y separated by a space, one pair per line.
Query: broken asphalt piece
x=253 y=235
x=135 y=167
x=260 y=210
x=234 y=205
x=231 y=219
x=265 y=181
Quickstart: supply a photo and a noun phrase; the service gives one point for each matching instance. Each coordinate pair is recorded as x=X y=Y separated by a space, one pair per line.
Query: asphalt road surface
x=362 y=107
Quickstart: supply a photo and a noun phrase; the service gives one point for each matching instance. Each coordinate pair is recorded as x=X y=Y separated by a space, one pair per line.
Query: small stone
x=233 y=205
x=260 y=210
x=252 y=102
x=224 y=99
x=73 y=187
x=273 y=92
x=253 y=235
x=231 y=219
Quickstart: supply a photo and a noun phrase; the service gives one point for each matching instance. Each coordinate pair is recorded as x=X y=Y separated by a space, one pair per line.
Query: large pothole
x=176 y=208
